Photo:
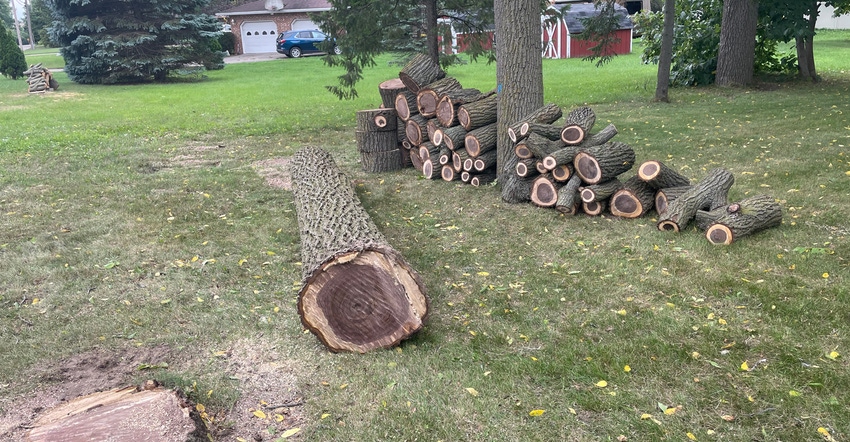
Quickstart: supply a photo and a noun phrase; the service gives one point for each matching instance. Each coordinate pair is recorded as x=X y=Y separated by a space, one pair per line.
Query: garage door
x=300 y=25
x=258 y=37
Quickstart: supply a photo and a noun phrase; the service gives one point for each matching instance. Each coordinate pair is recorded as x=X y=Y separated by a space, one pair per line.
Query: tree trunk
x=600 y=191
x=736 y=53
x=568 y=201
x=665 y=57
x=358 y=293
x=663 y=197
x=659 y=176
x=519 y=79
x=389 y=90
x=634 y=200
x=419 y=72
x=430 y=25
x=547 y=114
x=744 y=218
x=478 y=113
x=604 y=162
x=132 y=413
x=480 y=140
x=428 y=97
x=711 y=192
x=805 y=48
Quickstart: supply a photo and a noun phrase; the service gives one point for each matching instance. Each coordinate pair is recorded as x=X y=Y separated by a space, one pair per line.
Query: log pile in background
x=449 y=132
x=574 y=170
x=39 y=79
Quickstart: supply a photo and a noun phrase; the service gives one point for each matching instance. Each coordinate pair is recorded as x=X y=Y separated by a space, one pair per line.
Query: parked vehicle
x=297 y=43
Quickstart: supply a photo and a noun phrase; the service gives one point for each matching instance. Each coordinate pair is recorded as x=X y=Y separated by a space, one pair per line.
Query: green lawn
x=134 y=217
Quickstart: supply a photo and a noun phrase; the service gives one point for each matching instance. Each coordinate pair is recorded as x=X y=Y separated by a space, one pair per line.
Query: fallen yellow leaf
x=833 y=355
x=602 y=384
x=535 y=413
x=290 y=432
x=571 y=410
x=627 y=369
x=645 y=416
x=745 y=366
x=794 y=393
x=691 y=436
x=259 y=414
x=670 y=411
x=325 y=416
x=472 y=391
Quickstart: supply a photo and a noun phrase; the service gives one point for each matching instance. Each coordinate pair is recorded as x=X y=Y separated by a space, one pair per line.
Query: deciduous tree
x=736 y=53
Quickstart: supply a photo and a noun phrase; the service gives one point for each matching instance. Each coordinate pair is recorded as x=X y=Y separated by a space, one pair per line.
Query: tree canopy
x=109 y=41
x=12 y=61
x=6 y=14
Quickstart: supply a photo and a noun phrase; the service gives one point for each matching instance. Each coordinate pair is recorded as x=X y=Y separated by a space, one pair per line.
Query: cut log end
x=572 y=135
x=649 y=170
x=361 y=301
x=625 y=205
x=719 y=234
x=668 y=226
x=587 y=168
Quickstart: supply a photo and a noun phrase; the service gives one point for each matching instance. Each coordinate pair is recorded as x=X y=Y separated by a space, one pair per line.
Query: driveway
x=247 y=58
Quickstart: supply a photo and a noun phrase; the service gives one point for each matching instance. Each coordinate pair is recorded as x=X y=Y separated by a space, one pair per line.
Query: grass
x=133 y=216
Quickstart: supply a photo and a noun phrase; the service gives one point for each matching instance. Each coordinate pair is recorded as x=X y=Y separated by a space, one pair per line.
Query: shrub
x=12 y=60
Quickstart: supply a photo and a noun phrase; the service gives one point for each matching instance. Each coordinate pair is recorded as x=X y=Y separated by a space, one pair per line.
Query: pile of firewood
x=39 y=79
x=570 y=168
x=449 y=132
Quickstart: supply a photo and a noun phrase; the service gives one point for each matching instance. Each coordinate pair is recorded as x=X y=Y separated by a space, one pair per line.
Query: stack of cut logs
x=39 y=79
x=444 y=130
x=572 y=169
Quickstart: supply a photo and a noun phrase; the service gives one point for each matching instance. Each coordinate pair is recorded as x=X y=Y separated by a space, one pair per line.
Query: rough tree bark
x=665 y=58
x=358 y=293
x=711 y=192
x=744 y=218
x=736 y=53
x=519 y=79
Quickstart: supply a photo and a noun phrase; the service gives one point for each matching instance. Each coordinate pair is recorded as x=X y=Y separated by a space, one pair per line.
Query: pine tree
x=123 y=41
x=12 y=60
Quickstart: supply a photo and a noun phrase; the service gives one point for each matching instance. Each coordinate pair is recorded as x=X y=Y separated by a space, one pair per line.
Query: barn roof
x=574 y=13
x=289 y=6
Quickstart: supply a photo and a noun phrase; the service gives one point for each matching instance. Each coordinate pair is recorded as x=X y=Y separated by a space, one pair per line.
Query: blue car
x=297 y=43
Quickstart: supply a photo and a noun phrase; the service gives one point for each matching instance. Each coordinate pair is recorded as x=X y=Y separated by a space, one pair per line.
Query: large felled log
x=415 y=159
x=405 y=104
x=420 y=71
x=601 y=137
x=389 y=90
x=428 y=97
x=432 y=127
x=548 y=131
x=358 y=293
x=604 y=162
x=145 y=413
x=663 y=198
x=416 y=129
x=480 y=140
x=600 y=191
x=482 y=179
x=428 y=151
x=744 y=218
x=577 y=125
x=711 y=192
x=568 y=201
x=478 y=113
x=451 y=101
x=547 y=114
x=659 y=176
x=703 y=219
x=448 y=173
x=452 y=137
x=376 y=120
x=633 y=200
x=536 y=146
x=544 y=191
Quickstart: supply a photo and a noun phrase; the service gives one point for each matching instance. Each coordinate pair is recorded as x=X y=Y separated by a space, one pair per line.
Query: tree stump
x=358 y=294
x=744 y=218
x=151 y=414
x=711 y=192
x=389 y=90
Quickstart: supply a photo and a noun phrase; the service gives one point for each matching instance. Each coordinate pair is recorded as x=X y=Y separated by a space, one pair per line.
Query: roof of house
x=289 y=6
x=574 y=13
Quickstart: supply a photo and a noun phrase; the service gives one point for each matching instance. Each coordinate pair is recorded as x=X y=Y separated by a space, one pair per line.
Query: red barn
x=559 y=38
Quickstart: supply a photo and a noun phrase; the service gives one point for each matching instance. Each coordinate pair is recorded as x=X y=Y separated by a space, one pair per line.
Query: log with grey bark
x=663 y=197
x=544 y=191
x=478 y=113
x=600 y=191
x=480 y=140
x=547 y=114
x=452 y=137
x=577 y=125
x=536 y=146
x=743 y=218
x=357 y=292
x=604 y=162
x=420 y=71
x=659 y=176
x=458 y=157
x=568 y=201
x=451 y=101
x=594 y=208
x=405 y=104
x=563 y=172
x=484 y=161
x=565 y=155
x=376 y=120
x=711 y=192
x=428 y=96
x=388 y=91
x=526 y=168
x=633 y=200
x=416 y=129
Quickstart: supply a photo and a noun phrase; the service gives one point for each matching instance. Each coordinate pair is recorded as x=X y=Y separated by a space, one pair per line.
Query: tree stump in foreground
x=127 y=414
x=358 y=293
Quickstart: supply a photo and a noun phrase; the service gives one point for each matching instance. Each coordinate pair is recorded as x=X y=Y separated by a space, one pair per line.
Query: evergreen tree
x=12 y=61
x=6 y=14
x=41 y=19
x=129 y=41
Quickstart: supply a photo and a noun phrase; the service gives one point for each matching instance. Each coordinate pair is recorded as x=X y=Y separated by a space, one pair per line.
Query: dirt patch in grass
x=276 y=172
x=269 y=402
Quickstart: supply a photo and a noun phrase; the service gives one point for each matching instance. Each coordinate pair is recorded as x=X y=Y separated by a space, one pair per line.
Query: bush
x=228 y=42
x=12 y=60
